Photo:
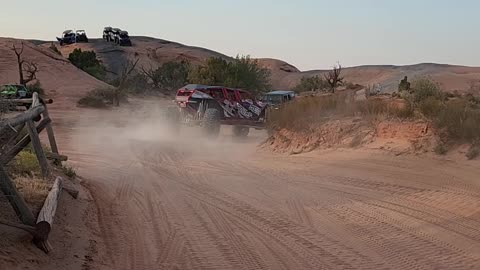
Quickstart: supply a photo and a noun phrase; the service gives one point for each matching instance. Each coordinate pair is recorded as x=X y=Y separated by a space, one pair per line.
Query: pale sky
x=306 y=33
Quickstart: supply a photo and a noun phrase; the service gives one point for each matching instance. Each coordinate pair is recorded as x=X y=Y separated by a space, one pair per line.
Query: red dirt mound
x=395 y=136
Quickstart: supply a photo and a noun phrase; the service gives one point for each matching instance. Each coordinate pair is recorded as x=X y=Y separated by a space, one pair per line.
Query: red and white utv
x=213 y=106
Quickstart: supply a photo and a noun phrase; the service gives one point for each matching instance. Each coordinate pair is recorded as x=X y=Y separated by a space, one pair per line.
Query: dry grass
x=69 y=171
x=474 y=151
x=308 y=111
x=33 y=190
x=25 y=164
x=100 y=98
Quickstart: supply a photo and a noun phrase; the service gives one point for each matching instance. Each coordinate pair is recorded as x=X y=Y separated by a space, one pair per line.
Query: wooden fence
x=12 y=141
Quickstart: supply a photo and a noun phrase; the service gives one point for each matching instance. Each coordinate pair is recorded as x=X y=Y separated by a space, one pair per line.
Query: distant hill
x=154 y=52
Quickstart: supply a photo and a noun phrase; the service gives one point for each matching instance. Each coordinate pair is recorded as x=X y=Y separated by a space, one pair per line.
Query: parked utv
x=81 y=36
x=123 y=39
x=213 y=106
x=68 y=37
x=14 y=91
x=107 y=33
x=115 y=34
x=277 y=98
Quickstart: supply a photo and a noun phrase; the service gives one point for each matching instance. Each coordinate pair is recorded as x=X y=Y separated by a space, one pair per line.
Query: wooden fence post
x=7 y=157
x=37 y=147
x=51 y=135
x=46 y=215
x=18 y=204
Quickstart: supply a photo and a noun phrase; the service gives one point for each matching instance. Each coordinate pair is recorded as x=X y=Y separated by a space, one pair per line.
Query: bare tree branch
x=127 y=69
x=31 y=69
x=18 y=52
x=151 y=74
x=333 y=77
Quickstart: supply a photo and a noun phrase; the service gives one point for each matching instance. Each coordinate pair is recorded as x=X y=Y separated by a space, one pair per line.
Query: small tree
x=334 y=78
x=308 y=84
x=404 y=85
x=242 y=72
x=30 y=68
x=214 y=72
x=125 y=73
x=88 y=62
x=168 y=77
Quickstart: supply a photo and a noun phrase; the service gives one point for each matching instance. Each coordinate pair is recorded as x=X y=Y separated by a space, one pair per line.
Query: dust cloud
x=120 y=133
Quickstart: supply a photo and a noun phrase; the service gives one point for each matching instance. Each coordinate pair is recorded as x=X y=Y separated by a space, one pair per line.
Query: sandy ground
x=182 y=202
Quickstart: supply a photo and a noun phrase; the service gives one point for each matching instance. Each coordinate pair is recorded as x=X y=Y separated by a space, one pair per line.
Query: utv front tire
x=211 y=122
x=240 y=132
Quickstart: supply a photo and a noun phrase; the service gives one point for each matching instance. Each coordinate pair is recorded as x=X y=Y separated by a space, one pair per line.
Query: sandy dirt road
x=181 y=202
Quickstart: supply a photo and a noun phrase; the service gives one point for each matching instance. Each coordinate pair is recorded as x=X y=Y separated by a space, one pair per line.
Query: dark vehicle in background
x=277 y=98
x=16 y=91
x=107 y=33
x=213 y=106
x=124 y=39
x=114 y=35
x=68 y=37
x=81 y=36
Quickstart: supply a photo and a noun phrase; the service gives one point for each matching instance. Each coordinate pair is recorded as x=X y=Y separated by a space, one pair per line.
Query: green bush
x=474 y=151
x=425 y=88
x=169 y=77
x=441 y=148
x=309 y=84
x=36 y=88
x=242 y=72
x=55 y=49
x=459 y=121
x=100 y=98
x=430 y=106
x=25 y=163
x=69 y=171
x=88 y=62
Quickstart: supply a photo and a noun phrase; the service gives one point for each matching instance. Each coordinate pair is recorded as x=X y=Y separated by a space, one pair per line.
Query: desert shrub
x=88 y=62
x=169 y=76
x=430 y=106
x=459 y=121
x=69 y=171
x=242 y=72
x=91 y=101
x=25 y=163
x=474 y=151
x=372 y=107
x=99 y=98
x=307 y=111
x=407 y=111
x=33 y=190
x=309 y=84
x=425 y=88
x=55 y=49
x=137 y=84
x=36 y=88
x=441 y=148
x=404 y=85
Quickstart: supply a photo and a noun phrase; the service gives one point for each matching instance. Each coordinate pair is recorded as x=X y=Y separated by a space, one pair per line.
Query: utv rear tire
x=211 y=122
x=240 y=132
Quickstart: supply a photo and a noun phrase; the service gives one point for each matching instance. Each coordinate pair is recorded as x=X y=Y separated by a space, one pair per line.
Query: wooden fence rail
x=9 y=132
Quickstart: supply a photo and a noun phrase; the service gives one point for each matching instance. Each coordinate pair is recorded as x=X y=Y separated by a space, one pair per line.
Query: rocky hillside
x=61 y=80
x=153 y=52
